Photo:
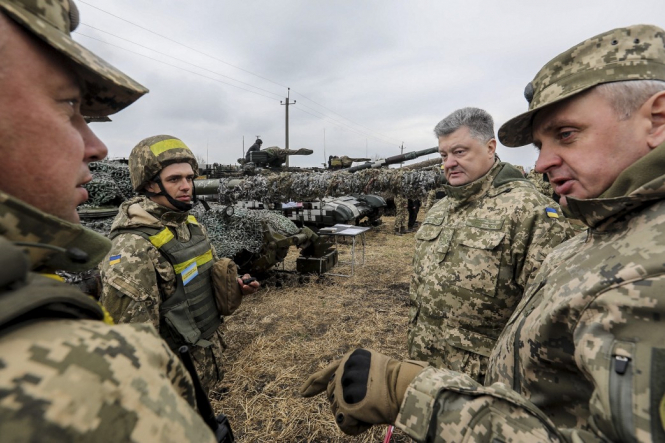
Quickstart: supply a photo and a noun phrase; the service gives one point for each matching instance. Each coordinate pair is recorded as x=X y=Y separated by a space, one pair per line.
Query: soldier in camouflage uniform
x=401 y=214
x=476 y=250
x=66 y=373
x=159 y=267
x=540 y=182
x=582 y=357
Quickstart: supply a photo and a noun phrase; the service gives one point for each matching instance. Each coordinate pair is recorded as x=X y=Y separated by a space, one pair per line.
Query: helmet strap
x=180 y=206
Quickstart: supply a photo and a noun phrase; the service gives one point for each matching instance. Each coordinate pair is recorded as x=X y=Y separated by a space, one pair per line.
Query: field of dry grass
x=281 y=335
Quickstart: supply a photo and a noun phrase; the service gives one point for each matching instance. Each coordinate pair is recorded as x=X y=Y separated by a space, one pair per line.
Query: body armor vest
x=189 y=316
x=26 y=296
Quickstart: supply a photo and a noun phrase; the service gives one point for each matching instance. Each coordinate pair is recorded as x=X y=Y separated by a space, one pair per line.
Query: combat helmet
x=153 y=154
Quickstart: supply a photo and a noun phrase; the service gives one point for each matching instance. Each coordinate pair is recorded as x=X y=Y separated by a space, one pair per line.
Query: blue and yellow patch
x=551 y=213
x=115 y=259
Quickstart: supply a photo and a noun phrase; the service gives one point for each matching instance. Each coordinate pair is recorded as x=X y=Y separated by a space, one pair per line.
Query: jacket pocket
x=478 y=258
x=181 y=322
x=432 y=243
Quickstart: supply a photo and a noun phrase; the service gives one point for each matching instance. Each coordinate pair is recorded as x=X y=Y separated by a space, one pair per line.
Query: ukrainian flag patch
x=551 y=213
x=115 y=259
x=189 y=273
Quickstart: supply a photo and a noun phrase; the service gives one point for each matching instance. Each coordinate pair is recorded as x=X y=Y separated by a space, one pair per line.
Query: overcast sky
x=371 y=75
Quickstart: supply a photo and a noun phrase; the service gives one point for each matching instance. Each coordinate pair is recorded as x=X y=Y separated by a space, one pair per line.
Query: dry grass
x=281 y=335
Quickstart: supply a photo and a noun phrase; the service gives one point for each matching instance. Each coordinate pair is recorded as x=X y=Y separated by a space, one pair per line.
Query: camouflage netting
x=110 y=184
x=100 y=225
x=243 y=230
x=312 y=186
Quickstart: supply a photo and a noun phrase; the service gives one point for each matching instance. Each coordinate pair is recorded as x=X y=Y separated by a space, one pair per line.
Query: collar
x=475 y=189
x=165 y=216
x=21 y=222
x=641 y=183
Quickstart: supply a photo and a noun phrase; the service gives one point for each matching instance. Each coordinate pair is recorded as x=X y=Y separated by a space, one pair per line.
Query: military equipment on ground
x=255 y=240
x=335 y=162
x=393 y=160
x=273 y=157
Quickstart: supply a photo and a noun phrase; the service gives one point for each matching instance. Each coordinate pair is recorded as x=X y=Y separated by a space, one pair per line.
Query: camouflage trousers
x=426 y=342
x=401 y=213
x=208 y=362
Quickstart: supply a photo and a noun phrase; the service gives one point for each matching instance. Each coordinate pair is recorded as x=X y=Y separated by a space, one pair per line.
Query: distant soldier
x=67 y=374
x=162 y=268
x=581 y=359
x=477 y=248
x=541 y=182
x=401 y=214
x=256 y=147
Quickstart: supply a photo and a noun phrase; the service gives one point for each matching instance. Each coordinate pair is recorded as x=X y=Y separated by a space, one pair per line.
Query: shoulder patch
x=551 y=212
x=115 y=259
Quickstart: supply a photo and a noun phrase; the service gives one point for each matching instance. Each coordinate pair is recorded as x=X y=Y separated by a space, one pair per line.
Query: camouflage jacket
x=538 y=179
x=582 y=356
x=134 y=287
x=63 y=379
x=476 y=251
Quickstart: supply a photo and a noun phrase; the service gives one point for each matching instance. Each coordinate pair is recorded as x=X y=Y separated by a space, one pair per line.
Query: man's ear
x=152 y=187
x=491 y=147
x=656 y=106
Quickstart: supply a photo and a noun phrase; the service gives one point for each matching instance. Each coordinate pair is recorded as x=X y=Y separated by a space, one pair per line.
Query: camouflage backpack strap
x=26 y=296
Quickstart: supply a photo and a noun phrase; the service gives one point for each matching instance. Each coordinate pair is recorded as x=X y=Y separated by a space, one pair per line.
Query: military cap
x=622 y=54
x=153 y=154
x=107 y=89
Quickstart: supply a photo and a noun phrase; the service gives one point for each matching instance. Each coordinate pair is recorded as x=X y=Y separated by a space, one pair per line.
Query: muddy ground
x=281 y=335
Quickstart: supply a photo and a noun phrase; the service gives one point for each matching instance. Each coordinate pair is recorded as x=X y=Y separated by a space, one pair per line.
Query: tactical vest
x=26 y=296
x=189 y=316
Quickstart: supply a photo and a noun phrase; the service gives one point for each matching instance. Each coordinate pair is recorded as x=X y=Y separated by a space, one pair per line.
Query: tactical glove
x=365 y=388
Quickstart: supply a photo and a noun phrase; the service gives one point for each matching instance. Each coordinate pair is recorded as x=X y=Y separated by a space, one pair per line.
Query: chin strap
x=180 y=206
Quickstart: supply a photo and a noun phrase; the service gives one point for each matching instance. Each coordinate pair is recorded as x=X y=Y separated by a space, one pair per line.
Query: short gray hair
x=626 y=97
x=479 y=122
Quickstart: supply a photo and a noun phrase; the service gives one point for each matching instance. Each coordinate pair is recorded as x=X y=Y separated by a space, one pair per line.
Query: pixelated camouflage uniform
x=401 y=213
x=476 y=251
x=538 y=179
x=65 y=375
x=135 y=287
x=582 y=356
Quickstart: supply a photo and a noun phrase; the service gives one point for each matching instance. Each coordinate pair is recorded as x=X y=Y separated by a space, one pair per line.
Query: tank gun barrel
x=393 y=160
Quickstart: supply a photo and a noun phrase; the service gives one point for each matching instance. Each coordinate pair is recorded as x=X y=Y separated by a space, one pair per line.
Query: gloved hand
x=365 y=388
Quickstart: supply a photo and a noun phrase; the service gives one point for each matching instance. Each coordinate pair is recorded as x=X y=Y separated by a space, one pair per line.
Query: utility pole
x=402 y=153
x=325 y=160
x=288 y=97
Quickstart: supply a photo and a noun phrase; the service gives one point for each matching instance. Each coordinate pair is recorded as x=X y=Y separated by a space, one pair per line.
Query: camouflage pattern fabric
x=107 y=90
x=153 y=154
x=401 y=213
x=308 y=186
x=538 y=180
x=84 y=380
x=631 y=53
x=134 y=287
x=581 y=357
x=476 y=251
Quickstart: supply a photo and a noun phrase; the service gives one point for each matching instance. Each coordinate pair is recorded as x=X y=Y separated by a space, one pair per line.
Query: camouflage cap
x=107 y=90
x=153 y=154
x=632 y=53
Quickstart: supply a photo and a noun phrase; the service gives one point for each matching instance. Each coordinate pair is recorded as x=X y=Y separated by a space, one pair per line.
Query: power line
x=344 y=124
x=219 y=60
x=181 y=44
x=357 y=124
x=175 y=58
x=173 y=66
